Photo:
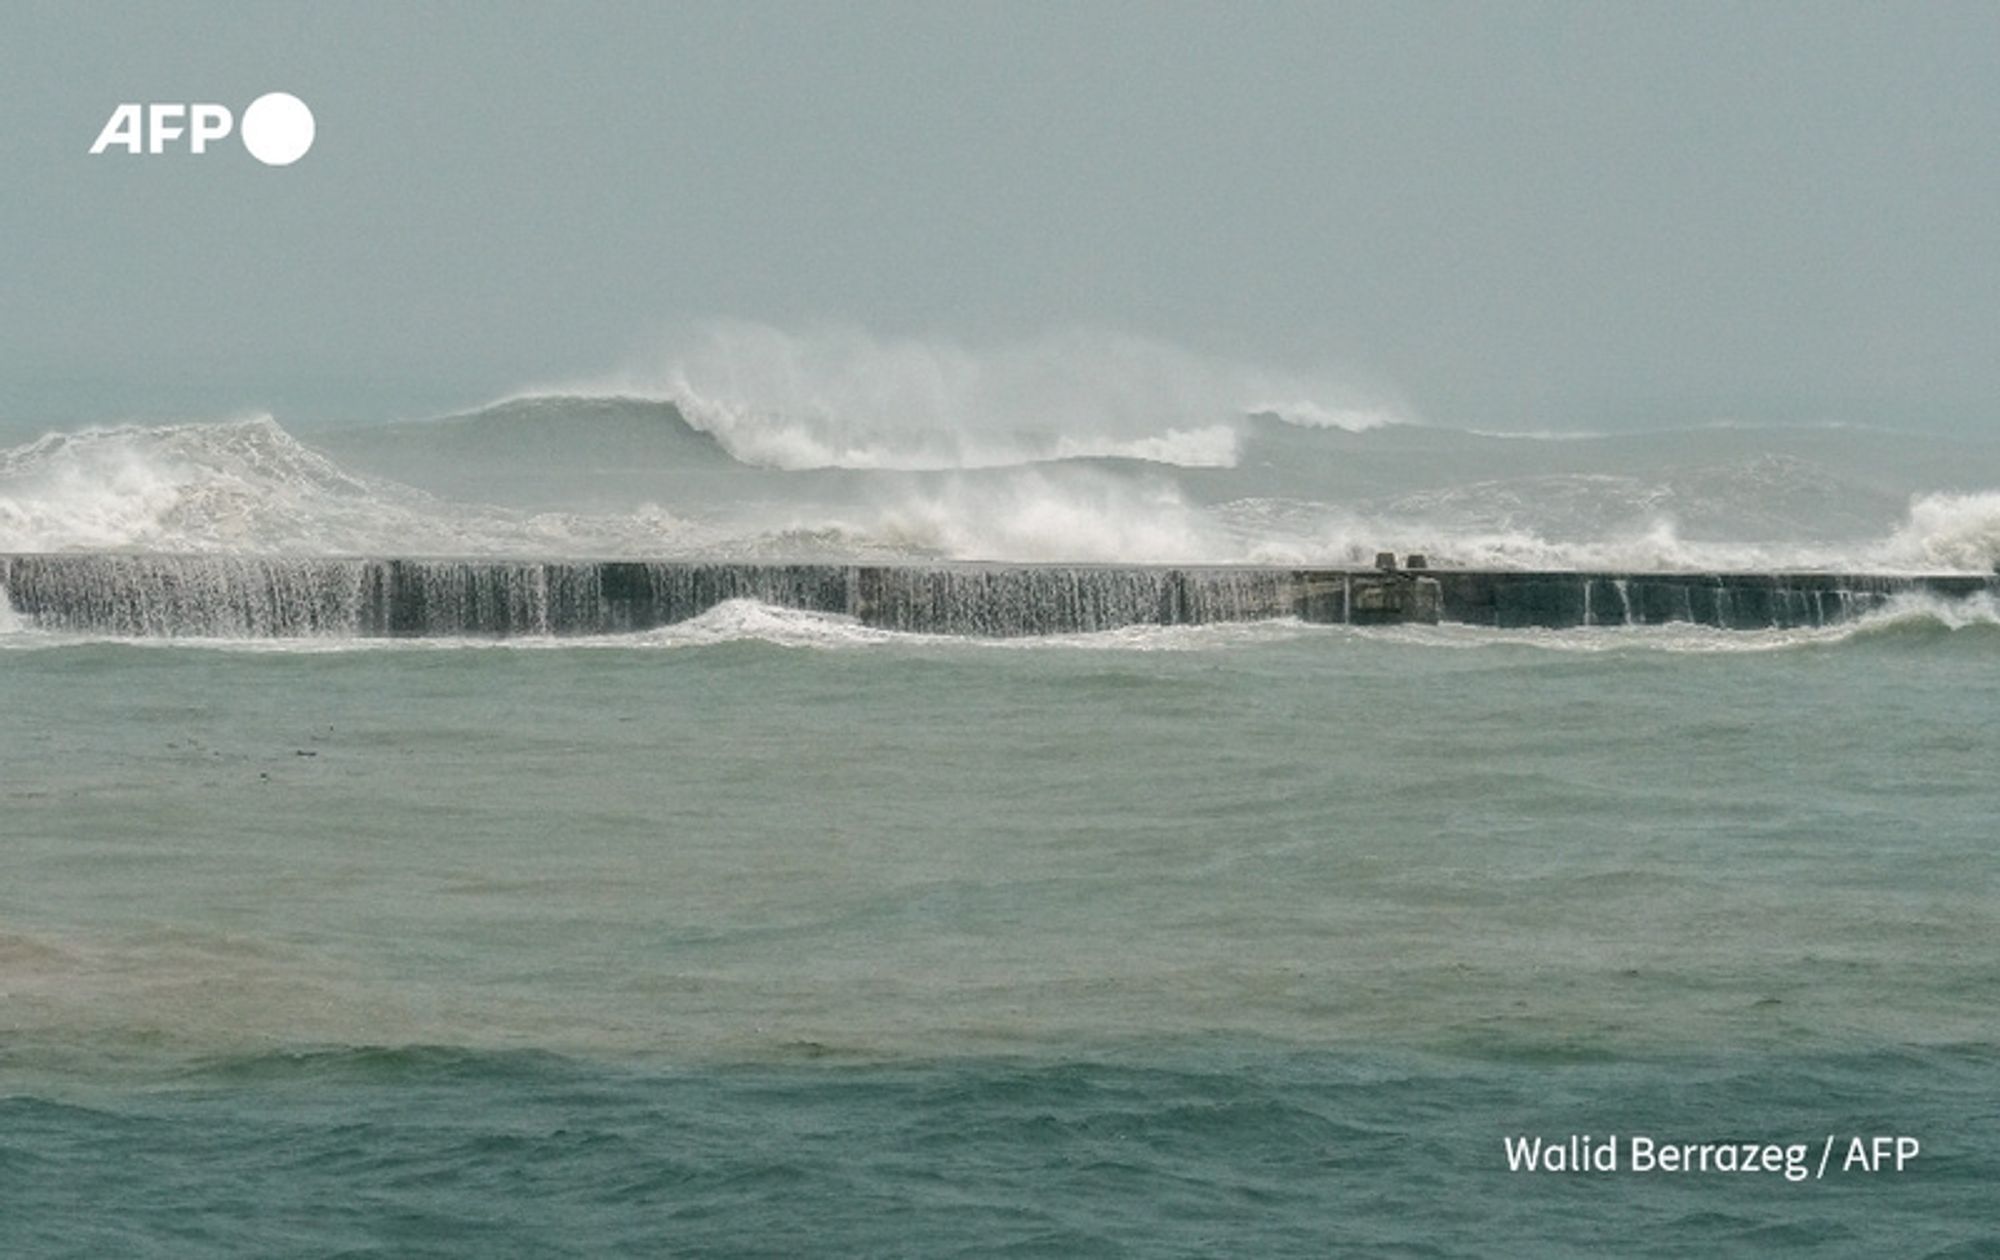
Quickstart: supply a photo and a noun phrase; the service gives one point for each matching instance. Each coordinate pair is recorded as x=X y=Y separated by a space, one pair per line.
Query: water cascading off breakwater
x=282 y=597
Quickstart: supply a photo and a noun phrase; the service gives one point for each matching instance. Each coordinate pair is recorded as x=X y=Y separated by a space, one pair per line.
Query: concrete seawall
x=259 y=596
x=1734 y=601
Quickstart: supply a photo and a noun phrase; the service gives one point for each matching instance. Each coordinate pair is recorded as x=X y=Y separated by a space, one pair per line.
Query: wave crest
x=200 y=487
x=249 y=486
x=1952 y=531
x=843 y=398
x=1036 y=517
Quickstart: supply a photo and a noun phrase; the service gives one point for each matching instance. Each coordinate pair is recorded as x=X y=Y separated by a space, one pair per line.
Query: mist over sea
x=770 y=932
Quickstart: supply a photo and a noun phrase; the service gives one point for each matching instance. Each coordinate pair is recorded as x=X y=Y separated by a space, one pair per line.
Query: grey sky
x=1540 y=215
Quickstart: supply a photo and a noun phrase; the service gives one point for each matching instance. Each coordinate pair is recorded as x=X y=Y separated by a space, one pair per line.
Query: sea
x=772 y=933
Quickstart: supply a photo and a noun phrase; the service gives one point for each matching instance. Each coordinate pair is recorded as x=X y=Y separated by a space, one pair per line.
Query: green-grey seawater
x=792 y=939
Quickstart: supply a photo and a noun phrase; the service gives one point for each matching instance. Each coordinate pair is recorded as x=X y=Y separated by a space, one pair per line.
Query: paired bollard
x=1399 y=595
x=1386 y=561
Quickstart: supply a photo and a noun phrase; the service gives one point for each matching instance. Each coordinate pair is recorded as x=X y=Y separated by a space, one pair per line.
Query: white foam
x=1944 y=534
x=732 y=621
x=840 y=397
x=248 y=487
x=742 y=620
x=1673 y=638
x=752 y=621
x=1211 y=447
x=1308 y=414
x=1950 y=531
x=1075 y=516
x=1914 y=611
x=1924 y=610
x=1293 y=533
x=1209 y=637
x=745 y=620
x=237 y=485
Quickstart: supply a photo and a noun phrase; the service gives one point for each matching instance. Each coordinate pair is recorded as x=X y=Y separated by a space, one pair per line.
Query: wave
x=617 y=435
x=735 y=621
x=844 y=398
x=747 y=620
x=1045 y=516
x=1916 y=617
x=1950 y=531
x=196 y=486
x=1913 y=618
x=508 y=483
x=1927 y=615
x=247 y=486
x=1941 y=534
x=603 y=435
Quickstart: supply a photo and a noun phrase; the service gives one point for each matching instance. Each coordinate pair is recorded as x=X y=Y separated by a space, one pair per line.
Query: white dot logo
x=277 y=128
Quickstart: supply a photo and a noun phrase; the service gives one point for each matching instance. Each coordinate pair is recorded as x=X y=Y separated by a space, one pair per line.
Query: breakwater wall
x=268 y=596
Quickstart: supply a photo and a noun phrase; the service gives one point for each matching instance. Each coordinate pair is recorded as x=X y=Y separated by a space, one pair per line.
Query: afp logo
x=277 y=128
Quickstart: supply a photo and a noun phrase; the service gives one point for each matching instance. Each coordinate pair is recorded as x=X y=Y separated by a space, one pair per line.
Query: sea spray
x=845 y=398
x=1950 y=531
x=641 y=484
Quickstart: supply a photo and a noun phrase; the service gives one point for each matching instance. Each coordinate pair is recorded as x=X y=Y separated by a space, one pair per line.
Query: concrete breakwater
x=269 y=596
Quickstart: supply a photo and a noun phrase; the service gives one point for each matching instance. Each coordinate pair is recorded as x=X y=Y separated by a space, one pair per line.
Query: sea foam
x=1319 y=498
x=835 y=397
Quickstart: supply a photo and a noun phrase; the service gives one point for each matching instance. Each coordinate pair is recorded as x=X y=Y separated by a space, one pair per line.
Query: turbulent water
x=769 y=931
x=562 y=476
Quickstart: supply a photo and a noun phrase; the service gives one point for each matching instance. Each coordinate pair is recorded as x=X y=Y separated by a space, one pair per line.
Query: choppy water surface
x=776 y=935
x=596 y=477
x=770 y=932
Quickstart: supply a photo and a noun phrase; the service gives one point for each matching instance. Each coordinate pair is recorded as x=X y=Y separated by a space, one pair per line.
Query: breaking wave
x=248 y=486
x=194 y=487
x=1950 y=531
x=1914 y=618
x=843 y=398
x=634 y=481
x=1919 y=617
x=1942 y=533
x=1029 y=517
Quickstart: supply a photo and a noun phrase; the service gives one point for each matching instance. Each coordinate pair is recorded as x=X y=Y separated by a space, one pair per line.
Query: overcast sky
x=1516 y=214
